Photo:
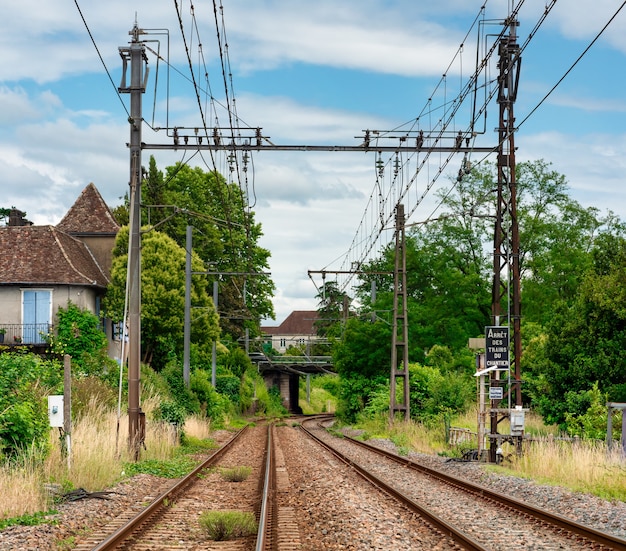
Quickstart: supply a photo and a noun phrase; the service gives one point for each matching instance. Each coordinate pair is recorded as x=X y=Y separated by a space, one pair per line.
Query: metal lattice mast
x=506 y=279
x=400 y=335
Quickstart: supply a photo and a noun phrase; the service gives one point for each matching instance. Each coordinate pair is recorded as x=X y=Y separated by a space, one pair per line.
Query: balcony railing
x=24 y=333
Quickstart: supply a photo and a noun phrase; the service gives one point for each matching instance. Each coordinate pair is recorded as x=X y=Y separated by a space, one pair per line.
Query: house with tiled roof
x=45 y=267
x=298 y=329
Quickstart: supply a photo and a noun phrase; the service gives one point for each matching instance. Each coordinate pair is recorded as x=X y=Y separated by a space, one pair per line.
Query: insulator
x=419 y=142
x=380 y=166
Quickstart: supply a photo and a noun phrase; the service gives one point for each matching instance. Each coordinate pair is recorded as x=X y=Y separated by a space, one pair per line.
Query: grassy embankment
x=99 y=458
x=582 y=466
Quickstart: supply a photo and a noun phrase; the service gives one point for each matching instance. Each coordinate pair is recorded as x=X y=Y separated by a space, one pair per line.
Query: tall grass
x=22 y=489
x=99 y=450
x=583 y=466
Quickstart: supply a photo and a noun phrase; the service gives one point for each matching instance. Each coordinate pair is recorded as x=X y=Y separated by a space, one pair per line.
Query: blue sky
x=307 y=73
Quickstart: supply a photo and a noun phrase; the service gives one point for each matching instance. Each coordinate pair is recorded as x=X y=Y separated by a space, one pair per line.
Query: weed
x=32 y=519
x=236 y=474
x=226 y=525
x=174 y=468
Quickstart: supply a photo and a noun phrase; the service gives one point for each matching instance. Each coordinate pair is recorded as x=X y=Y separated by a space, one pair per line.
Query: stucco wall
x=11 y=300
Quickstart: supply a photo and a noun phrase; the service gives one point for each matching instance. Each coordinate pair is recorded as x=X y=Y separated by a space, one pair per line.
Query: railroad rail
x=571 y=530
x=126 y=535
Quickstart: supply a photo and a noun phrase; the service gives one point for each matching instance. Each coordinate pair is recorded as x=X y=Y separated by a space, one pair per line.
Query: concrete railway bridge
x=284 y=372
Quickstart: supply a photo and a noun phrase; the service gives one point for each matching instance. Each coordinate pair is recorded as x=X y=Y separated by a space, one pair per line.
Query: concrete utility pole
x=135 y=54
x=187 y=326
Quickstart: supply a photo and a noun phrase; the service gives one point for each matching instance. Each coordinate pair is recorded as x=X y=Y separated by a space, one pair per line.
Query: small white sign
x=495 y=393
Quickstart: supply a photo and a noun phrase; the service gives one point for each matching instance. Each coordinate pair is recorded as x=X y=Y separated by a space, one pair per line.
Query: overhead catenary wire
x=93 y=41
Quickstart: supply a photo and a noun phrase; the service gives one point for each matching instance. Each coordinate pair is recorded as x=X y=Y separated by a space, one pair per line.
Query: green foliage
x=212 y=403
x=379 y=402
x=225 y=234
x=25 y=382
x=355 y=394
x=330 y=383
x=80 y=335
x=323 y=392
x=592 y=422
x=269 y=400
x=183 y=396
x=586 y=341
x=170 y=412
x=235 y=360
x=229 y=386
x=236 y=474
x=177 y=467
x=192 y=445
x=33 y=519
x=163 y=297
x=331 y=305
x=364 y=349
x=227 y=525
x=433 y=393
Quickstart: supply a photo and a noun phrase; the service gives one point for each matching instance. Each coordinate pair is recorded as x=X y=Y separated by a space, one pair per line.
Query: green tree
x=225 y=236
x=363 y=360
x=331 y=307
x=163 y=297
x=586 y=340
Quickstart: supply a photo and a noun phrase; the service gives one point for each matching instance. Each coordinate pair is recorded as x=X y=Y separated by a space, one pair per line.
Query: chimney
x=16 y=218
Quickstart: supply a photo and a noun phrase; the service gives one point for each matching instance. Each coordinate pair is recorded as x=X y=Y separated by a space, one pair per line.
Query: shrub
x=170 y=412
x=228 y=385
x=25 y=381
x=226 y=525
x=79 y=335
x=213 y=404
x=183 y=396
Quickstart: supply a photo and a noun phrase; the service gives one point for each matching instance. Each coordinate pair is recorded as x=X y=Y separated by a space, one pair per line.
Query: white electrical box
x=55 y=410
x=517 y=422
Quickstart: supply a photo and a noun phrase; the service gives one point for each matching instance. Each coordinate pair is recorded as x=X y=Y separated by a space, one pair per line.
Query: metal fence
x=24 y=333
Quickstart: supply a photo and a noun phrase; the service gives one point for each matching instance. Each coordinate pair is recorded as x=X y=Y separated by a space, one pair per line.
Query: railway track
x=482 y=519
x=307 y=497
x=170 y=521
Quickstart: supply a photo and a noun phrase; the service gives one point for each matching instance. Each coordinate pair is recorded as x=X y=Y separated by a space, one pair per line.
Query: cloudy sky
x=307 y=73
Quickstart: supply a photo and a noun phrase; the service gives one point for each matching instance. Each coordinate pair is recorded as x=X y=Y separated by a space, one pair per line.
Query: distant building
x=44 y=267
x=298 y=329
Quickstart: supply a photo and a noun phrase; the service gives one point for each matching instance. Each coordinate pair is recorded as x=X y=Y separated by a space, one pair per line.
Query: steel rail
x=466 y=541
x=135 y=523
x=595 y=536
x=268 y=485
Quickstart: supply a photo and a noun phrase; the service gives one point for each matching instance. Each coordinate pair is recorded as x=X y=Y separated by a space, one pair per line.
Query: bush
x=25 y=382
x=170 y=412
x=212 y=404
x=79 y=334
x=228 y=385
x=226 y=525
x=173 y=374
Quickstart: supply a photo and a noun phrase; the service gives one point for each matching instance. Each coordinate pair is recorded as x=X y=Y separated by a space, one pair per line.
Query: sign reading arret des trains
x=497 y=347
